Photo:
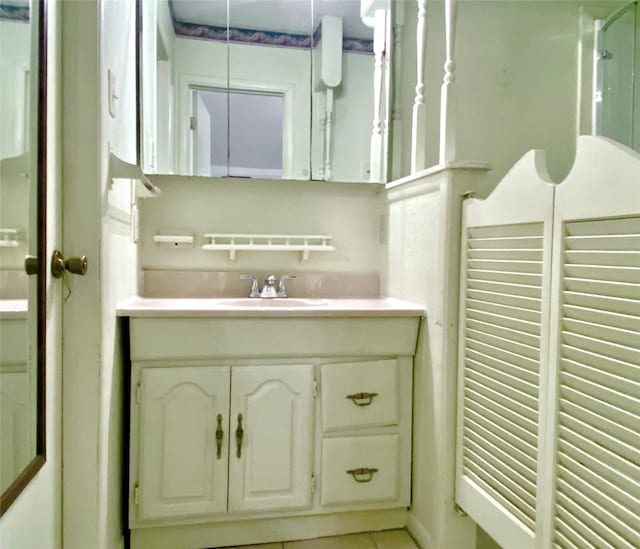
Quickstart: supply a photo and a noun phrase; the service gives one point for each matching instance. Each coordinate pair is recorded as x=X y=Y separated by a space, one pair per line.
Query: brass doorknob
x=76 y=265
x=31 y=265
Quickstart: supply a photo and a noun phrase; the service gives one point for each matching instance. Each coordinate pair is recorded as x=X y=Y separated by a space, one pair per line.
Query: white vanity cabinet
x=217 y=439
x=252 y=429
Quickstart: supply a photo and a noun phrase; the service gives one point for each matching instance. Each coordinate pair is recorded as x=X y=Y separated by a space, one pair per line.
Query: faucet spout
x=269 y=288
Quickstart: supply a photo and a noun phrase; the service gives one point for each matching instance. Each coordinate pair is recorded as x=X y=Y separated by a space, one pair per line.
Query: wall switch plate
x=112 y=97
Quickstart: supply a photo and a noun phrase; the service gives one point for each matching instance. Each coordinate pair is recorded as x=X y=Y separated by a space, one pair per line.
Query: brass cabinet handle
x=219 y=436
x=362 y=399
x=363 y=474
x=239 y=435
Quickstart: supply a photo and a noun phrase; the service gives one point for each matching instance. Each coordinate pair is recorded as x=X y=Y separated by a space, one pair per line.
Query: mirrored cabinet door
x=266 y=89
x=22 y=211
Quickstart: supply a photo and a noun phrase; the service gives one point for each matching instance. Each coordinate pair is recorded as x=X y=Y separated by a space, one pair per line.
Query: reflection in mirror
x=21 y=355
x=618 y=96
x=294 y=89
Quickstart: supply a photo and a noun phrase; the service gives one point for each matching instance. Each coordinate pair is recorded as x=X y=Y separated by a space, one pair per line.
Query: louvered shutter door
x=595 y=353
x=505 y=284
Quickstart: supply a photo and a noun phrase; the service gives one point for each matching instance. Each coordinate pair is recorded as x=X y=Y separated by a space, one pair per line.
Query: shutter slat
x=600 y=482
x=601 y=423
x=506 y=459
x=601 y=457
x=496 y=348
x=610 y=511
x=520 y=402
x=617 y=368
x=524 y=498
x=600 y=332
x=520 y=279
x=591 y=525
x=607 y=226
x=605 y=288
x=505 y=377
x=480 y=421
x=575 y=426
x=525 y=469
x=505 y=349
x=504 y=441
x=506 y=254
x=502 y=332
x=505 y=288
x=517 y=313
x=502 y=421
x=591 y=539
x=568 y=537
x=603 y=273
x=495 y=491
x=506 y=231
x=510 y=265
x=529 y=425
x=620 y=404
x=603 y=303
x=534 y=242
x=618 y=352
x=514 y=325
x=609 y=466
x=614 y=413
x=606 y=318
x=519 y=301
x=628 y=242
x=522 y=373
x=599 y=257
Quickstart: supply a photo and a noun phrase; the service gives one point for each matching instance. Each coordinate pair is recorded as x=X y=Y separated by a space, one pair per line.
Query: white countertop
x=245 y=307
x=14 y=308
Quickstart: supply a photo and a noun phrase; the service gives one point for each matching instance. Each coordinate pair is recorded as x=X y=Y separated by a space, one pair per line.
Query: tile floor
x=389 y=539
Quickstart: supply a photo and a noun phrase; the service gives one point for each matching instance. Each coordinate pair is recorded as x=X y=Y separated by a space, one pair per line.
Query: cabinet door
x=272 y=470
x=180 y=471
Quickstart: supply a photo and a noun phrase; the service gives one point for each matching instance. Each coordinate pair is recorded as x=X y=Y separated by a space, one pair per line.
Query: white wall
x=516 y=81
x=34 y=519
x=347 y=212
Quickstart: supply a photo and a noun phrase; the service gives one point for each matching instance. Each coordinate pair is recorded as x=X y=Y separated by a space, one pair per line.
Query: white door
x=270 y=465
x=201 y=128
x=181 y=472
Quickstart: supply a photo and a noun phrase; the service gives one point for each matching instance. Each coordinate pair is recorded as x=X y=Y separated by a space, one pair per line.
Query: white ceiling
x=290 y=16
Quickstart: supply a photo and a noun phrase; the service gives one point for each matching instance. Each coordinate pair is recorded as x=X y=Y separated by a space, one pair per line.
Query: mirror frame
x=23 y=479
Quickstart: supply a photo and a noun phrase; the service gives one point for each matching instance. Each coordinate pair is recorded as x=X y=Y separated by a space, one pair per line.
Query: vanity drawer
x=359 y=469
x=359 y=394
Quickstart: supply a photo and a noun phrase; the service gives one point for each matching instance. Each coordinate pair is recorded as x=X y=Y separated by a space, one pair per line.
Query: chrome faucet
x=255 y=291
x=282 y=292
x=269 y=289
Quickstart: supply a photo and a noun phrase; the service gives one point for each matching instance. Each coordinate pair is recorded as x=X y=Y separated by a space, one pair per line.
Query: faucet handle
x=255 y=290
x=282 y=292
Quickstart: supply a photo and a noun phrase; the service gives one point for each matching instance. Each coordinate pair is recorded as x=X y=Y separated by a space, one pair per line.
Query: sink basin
x=253 y=303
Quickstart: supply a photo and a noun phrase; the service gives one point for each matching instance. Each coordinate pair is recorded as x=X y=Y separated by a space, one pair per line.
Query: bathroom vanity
x=257 y=420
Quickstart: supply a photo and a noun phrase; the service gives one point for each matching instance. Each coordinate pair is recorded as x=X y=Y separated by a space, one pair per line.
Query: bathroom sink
x=254 y=303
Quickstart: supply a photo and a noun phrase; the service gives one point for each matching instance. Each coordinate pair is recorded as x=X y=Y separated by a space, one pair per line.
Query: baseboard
x=418 y=532
x=249 y=532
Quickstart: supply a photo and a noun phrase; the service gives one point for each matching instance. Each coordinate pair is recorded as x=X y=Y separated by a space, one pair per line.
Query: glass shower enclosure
x=617 y=96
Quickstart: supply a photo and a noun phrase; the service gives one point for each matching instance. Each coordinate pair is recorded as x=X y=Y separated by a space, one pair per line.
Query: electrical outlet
x=112 y=96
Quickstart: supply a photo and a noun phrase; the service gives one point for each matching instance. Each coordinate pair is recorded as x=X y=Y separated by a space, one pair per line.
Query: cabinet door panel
x=180 y=473
x=274 y=470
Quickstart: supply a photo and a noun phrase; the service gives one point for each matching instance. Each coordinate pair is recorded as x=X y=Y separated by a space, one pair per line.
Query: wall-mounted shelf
x=268 y=243
x=174 y=239
x=120 y=169
x=9 y=238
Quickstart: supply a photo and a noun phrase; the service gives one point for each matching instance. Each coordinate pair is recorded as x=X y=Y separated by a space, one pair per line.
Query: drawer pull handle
x=219 y=436
x=364 y=474
x=362 y=399
x=239 y=435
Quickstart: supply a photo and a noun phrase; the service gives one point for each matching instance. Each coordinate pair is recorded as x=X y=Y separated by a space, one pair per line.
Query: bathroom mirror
x=22 y=234
x=270 y=89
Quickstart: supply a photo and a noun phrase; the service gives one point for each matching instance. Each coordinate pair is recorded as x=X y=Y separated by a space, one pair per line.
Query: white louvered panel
x=597 y=463
x=501 y=364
